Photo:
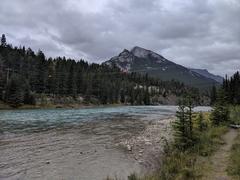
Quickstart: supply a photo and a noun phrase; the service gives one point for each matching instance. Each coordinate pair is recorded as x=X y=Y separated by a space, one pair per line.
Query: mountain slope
x=146 y=61
x=205 y=73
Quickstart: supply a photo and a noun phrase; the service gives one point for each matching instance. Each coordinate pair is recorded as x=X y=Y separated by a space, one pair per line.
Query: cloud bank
x=194 y=33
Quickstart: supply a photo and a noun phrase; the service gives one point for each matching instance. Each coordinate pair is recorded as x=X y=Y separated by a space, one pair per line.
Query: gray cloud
x=196 y=33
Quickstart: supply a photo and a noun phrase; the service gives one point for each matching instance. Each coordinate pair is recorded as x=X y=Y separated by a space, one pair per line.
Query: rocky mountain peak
x=140 y=52
x=142 y=60
x=125 y=51
x=144 y=53
x=124 y=56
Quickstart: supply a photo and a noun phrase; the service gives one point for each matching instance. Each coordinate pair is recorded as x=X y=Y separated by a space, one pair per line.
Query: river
x=73 y=143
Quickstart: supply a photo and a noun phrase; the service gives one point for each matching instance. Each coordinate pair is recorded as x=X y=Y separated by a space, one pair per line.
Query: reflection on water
x=71 y=143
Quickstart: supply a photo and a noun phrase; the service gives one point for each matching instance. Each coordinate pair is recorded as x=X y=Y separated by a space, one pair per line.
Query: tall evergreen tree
x=72 y=85
x=231 y=87
x=28 y=95
x=180 y=127
x=213 y=95
x=14 y=92
x=183 y=126
x=220 y=113
x=189 y=112
x=3 y=40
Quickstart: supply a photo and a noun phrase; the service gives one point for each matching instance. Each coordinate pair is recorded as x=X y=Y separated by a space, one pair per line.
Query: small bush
x=201 y=123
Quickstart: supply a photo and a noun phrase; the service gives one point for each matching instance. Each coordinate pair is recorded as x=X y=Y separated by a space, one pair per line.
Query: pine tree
x=231 y=87
x=14 y=92
x=71 y=83
x=147 y=96
x=190 y=106
x=213 y=95
x=132 y=96
x=51 y=78
x=220 y=113
x=3 y=40
x=28 y=96
x=122 y=96
x=183 y=126
x=180 y=127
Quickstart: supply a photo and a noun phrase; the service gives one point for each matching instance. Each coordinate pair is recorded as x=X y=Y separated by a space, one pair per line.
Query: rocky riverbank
x=146 y=147
x=61 y=144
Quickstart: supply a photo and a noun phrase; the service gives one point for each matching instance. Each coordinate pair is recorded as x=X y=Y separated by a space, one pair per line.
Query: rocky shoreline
x=146 y=147
x=117 y=146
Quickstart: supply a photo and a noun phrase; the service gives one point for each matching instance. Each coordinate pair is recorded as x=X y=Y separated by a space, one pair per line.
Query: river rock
x=129 y=148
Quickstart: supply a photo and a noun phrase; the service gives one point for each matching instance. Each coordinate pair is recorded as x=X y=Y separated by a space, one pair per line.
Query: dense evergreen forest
x=25 y=74
x=231 y=87
x=229 y=90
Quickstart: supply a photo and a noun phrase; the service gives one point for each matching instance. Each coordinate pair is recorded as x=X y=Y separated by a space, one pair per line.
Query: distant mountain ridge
x=205 y=73
x=146 y=61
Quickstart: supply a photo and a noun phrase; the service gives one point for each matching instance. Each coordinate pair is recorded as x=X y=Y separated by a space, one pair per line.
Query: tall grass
x=183 y=165
x=234 y=164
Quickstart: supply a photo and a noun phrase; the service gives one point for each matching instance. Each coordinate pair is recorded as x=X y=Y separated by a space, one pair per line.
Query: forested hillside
x=24 y=75
x=231 y=87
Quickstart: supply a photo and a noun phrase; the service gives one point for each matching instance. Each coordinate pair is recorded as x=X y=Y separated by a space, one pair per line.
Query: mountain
x=205 y=73
x=146 y=61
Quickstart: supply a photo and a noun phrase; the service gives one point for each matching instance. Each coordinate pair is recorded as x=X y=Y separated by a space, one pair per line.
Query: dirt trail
x=219 y=161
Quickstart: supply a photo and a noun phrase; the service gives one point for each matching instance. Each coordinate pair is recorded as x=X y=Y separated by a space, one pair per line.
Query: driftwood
x=235 y=126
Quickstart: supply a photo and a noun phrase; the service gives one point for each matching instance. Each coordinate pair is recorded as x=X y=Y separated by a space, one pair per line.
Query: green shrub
x=220 y=115
x=201 y=123
x=235 y=114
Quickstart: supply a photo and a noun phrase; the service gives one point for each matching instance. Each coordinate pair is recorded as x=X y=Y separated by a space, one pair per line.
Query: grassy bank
x=193 y=162
x=190 y=164
x=234 y=160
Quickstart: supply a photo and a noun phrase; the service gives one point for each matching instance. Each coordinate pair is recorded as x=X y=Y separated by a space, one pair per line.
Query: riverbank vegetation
x=190 y=162
x=234 y=165
x=197 y=136
x=234 y=160
x=235 y=115
x=186 y=158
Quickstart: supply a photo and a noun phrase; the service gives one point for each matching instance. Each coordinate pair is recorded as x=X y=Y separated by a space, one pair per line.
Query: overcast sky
x=196 y=33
